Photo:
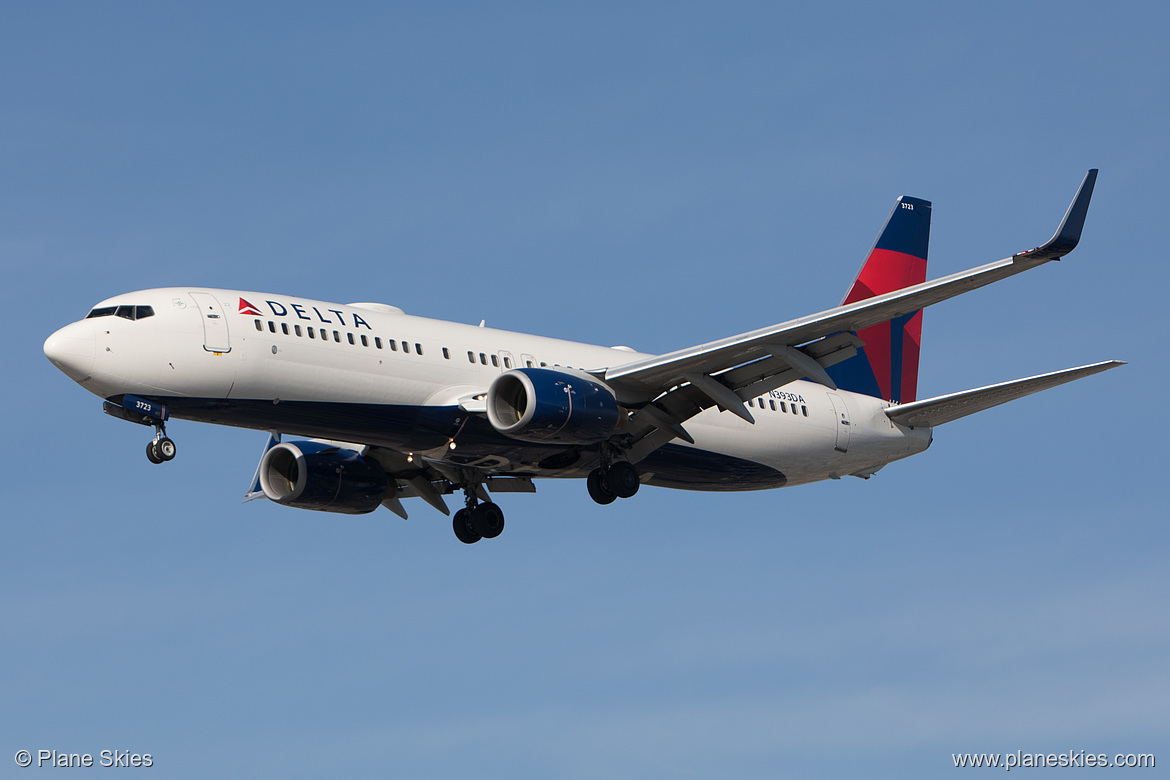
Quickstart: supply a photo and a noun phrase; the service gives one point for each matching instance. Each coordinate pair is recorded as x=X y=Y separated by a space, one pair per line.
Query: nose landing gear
x=160 y=449
x=144 y=412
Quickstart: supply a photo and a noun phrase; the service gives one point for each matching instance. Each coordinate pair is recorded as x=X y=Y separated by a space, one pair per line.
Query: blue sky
x=649 y=174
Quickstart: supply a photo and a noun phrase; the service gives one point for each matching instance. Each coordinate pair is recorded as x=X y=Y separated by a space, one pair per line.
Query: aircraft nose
x=72 y=349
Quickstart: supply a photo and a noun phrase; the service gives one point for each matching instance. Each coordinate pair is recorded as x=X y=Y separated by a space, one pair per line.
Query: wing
x=945 y=408
x=669 y=389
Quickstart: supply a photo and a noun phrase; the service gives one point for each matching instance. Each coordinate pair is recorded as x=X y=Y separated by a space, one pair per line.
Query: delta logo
x=247 y=308
x=300 y=312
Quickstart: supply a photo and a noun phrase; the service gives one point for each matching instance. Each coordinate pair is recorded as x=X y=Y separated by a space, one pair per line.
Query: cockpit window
x=126 y=312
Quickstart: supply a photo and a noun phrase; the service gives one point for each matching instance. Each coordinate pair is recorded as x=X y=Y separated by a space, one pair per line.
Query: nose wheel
x=160 y=449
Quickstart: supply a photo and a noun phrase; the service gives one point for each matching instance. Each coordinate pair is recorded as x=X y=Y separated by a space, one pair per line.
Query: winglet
x=1068 y=235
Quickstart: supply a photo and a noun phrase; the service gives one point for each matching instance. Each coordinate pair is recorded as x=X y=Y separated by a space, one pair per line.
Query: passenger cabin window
x=772 y=404
x=271 y=326
x=378 y=342
x=507 y=362
x=311 y=332
x=393 y=345
x=470 y=356
x=297 y=329
x=804 y=410
x=406 y=347
x=259 y=326
x=495 y=361
x=284 y=327
x=337 y=337
x=417 y=348
x=350 y=337
x=483 y=358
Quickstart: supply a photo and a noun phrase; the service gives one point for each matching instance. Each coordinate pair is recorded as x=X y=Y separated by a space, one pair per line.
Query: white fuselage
x=236 y=358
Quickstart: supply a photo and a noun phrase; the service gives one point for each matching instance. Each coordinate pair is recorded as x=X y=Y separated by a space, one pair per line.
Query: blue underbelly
x=420 y=428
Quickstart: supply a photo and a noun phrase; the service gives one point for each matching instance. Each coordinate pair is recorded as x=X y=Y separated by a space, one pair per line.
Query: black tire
x=463 y=530
x=599 y=489
x=623 y=479
x=152 y=452
x=488 y=520
x=166 y=448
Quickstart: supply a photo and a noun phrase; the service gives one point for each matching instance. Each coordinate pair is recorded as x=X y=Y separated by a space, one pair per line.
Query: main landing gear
x=477 y=520
x=160 y=449
x=618 y=480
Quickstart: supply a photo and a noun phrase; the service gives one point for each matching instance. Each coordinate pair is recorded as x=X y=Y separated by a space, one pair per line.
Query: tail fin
x=887 y=366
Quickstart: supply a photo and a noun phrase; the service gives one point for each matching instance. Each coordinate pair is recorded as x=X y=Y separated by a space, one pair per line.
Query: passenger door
x=215 y=326
x=841 y=413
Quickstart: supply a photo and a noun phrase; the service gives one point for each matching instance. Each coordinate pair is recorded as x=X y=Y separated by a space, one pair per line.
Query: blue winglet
x=1068 y=235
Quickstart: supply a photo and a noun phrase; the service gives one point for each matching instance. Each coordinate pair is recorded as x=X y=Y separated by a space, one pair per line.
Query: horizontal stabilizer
x=945 y=408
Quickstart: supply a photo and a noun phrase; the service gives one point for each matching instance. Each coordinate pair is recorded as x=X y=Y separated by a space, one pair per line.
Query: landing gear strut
x=608 y=483
x=160 y=449
x=477 y=520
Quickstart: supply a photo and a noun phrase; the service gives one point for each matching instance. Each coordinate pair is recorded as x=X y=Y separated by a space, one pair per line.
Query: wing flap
x=656 y=423
x=945 y=408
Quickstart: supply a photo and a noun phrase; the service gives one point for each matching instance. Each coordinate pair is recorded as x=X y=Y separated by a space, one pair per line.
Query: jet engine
x=316 y=475
x=547 y=406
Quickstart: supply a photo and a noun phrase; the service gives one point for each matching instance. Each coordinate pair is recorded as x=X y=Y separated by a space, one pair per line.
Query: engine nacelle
x=315 y=475
x=547 y=406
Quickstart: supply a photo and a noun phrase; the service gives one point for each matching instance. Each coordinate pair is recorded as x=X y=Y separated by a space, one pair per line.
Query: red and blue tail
x=887 y=366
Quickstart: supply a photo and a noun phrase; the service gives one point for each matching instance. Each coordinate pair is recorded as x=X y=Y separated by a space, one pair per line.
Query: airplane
x=383 y=406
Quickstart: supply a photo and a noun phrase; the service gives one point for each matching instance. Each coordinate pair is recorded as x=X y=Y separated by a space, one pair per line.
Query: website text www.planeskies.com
x=1070 y=758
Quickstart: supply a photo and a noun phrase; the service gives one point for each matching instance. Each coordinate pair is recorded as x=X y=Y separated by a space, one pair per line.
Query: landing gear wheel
x=152 y=452
x=488 y=520
x=464 y=531
x=599 y=489
x=165 y=448
x=622 y=479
